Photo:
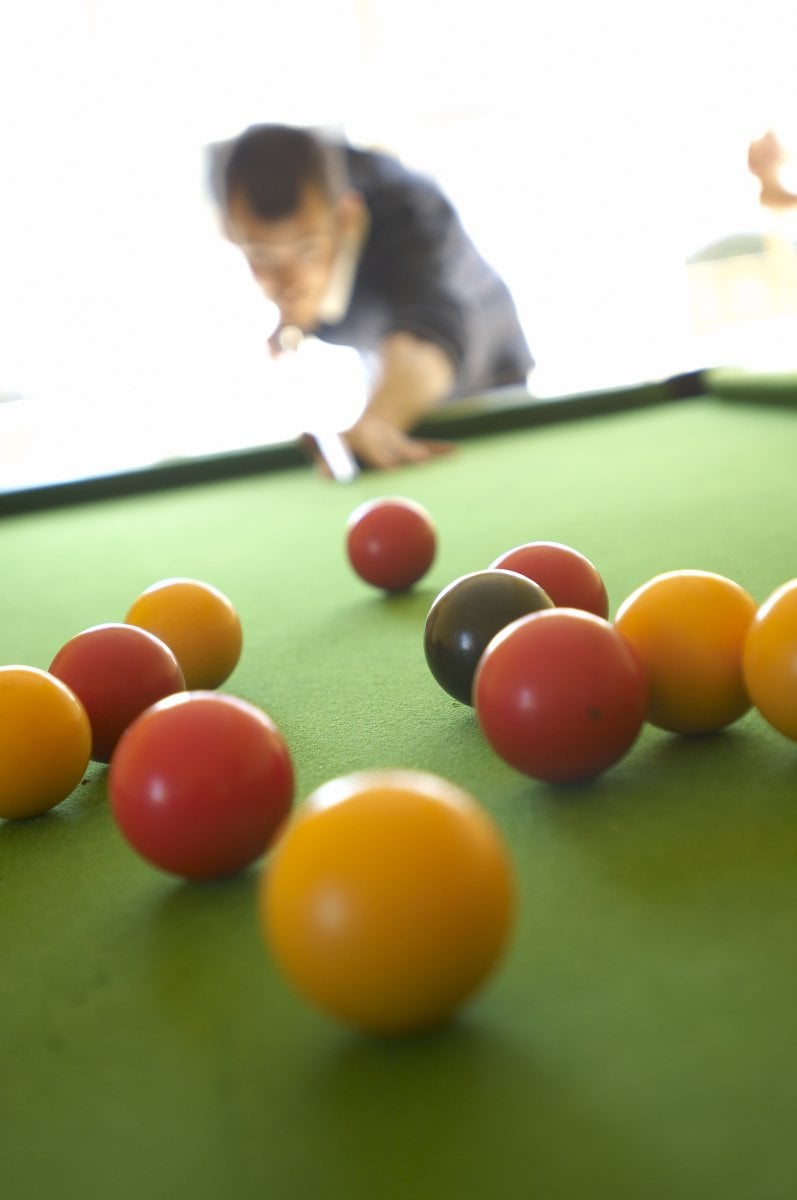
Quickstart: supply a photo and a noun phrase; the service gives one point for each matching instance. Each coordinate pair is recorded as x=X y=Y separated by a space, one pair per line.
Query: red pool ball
x=560 y=695
x=569 y=578
x=391 y=542
x=200 y=783
x=116 y=671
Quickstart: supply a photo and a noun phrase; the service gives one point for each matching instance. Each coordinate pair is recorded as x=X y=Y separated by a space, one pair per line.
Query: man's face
x=292 y=257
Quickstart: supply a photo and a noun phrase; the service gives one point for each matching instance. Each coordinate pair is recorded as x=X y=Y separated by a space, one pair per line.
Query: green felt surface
x=639 y=1038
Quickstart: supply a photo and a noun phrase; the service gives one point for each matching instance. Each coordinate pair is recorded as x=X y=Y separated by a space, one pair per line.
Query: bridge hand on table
x=377 y=443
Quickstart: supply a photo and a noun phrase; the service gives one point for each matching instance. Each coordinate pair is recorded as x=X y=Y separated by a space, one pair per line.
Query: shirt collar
x=338 y=296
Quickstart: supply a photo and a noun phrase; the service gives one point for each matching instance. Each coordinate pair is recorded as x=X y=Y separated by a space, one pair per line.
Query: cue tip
x=336 y=456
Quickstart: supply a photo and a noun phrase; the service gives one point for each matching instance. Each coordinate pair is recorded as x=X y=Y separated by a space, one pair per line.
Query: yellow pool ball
x=388 y=900
x=45 y=741
x=688 y=628
x=199 y=625
x=769 y=660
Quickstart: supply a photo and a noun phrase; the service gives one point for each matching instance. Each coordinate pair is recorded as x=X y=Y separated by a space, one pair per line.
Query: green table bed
x=639 y=1038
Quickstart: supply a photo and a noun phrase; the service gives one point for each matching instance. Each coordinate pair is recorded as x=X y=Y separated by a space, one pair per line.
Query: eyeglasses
x=311 y=250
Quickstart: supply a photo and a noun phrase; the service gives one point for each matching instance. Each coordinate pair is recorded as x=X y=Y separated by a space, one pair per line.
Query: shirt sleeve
x=417 y=253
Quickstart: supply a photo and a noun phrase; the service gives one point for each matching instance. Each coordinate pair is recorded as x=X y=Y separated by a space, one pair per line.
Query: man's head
x=287 y=205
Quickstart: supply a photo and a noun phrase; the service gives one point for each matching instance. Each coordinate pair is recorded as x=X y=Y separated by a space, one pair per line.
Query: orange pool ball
x=45 y=741
x=688 y=628
x=769 y=660
x=199 y=625
x=388 y=900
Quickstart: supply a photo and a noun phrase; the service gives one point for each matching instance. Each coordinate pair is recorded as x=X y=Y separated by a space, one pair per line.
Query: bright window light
x=590 y=149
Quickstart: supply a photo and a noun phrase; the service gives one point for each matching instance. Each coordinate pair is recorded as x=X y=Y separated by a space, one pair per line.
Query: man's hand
x=375 y=442
x=415 y=377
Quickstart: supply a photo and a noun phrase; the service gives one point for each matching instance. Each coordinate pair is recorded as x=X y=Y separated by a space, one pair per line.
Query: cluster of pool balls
x=385 y=899
x=198 y=780
x=389 y=896
x=560 y=690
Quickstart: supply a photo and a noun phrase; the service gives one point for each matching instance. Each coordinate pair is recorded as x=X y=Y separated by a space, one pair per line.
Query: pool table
x=638 y=1039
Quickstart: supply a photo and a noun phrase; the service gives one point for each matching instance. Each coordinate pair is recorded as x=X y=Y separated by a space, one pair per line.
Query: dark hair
x=271 y=165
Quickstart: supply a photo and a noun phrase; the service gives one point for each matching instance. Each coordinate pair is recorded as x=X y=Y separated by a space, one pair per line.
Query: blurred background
x=597 y=153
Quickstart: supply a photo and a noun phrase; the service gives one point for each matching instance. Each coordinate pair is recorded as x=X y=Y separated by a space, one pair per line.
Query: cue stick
x=330 y=446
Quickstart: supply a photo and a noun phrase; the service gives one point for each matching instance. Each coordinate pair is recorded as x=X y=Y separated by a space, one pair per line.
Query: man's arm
x=415 y=377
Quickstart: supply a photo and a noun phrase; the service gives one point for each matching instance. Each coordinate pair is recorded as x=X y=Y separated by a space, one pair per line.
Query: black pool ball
x=467 y=615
